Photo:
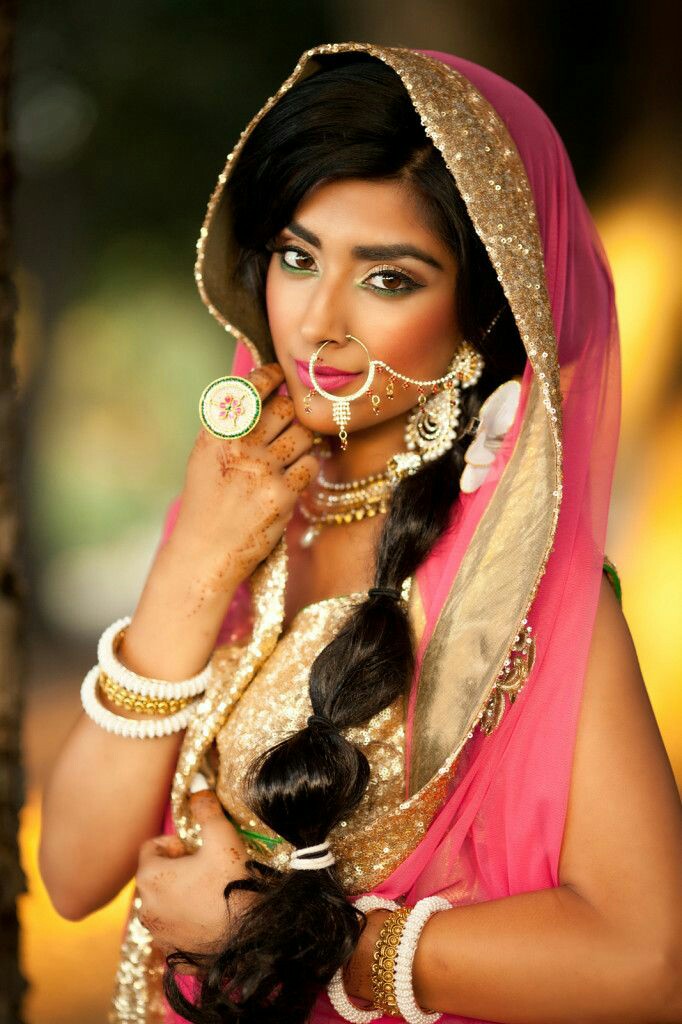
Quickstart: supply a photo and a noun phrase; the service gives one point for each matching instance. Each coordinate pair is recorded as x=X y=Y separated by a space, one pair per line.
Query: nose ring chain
x=465 y=370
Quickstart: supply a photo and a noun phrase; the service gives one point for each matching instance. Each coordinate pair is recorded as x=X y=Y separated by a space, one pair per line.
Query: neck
x=368 y=451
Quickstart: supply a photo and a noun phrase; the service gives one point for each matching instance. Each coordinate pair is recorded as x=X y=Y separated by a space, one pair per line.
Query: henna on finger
x=301 y=473
x=295 y=441
x=266 y=378
x=278 y=413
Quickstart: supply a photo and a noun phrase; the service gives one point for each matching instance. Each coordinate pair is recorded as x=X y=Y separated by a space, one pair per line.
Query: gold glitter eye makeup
x=408 y=283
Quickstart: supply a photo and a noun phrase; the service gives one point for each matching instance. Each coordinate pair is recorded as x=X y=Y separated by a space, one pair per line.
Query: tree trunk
x=12 y=585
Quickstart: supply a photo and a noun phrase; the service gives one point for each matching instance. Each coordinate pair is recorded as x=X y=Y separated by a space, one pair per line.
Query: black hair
x=352 y=119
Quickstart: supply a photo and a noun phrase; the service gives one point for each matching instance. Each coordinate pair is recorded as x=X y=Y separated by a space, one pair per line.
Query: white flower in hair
x=495 y=418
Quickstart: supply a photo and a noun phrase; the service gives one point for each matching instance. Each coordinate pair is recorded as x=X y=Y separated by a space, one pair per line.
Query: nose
x=324 y=317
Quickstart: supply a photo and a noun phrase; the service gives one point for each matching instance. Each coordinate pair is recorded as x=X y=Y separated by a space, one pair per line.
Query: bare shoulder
x=622 y=847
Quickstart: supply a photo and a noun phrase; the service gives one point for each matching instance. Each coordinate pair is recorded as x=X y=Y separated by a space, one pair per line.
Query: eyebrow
x=370 y=252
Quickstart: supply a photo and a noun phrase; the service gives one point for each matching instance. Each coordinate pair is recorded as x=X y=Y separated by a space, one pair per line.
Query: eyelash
x=410 y=285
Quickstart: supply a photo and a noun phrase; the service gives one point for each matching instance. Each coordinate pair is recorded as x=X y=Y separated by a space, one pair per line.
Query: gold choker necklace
x=336 y=504
x=346 y=503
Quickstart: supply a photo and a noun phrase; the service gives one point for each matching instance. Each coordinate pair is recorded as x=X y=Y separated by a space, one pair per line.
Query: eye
x=292 y=258
x=396 y=282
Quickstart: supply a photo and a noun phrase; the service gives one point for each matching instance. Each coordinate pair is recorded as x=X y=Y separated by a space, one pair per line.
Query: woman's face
x=358 y=259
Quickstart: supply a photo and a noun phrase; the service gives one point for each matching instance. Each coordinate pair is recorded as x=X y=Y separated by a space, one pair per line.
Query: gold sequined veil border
x=504 y=563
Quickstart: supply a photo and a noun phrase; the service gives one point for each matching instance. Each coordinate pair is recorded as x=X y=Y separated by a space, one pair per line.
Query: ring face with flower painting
x=230 y=407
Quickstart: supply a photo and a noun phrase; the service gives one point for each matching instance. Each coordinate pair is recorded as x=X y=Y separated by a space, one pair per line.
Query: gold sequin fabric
x=265 y=685
x=385 y=827
x=233 y=671
x=138 y=995
x=259 y=693
x=277 y=704
x=137 y=989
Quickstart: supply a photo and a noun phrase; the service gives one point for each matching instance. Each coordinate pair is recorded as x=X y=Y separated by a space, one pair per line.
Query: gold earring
x=431 y=427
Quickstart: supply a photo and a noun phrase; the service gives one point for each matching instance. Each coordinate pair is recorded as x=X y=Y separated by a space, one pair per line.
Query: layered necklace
x=333 y=504
x=430 y=431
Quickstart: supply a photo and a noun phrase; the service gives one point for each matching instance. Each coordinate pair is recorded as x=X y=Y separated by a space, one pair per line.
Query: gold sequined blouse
x=259 y=692
x=277 y=704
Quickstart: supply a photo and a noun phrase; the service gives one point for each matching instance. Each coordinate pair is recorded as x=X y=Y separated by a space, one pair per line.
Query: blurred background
x=122 y=116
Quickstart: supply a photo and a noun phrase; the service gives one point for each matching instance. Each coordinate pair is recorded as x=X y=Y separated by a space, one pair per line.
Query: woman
x=467 y=720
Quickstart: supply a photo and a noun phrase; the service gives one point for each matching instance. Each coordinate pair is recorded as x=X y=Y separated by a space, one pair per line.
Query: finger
x=218 y=832
x=293 y=442
x=159 y=846
x=266 y=378
x=301 y=473
x=209 y=814
x=147 y=852
x=170 y=846
x=278 y=413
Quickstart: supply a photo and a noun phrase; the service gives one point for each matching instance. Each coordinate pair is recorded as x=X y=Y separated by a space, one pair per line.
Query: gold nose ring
x=341 y=405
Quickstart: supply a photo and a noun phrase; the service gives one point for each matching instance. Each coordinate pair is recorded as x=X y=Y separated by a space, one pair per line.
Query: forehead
x=352 y=211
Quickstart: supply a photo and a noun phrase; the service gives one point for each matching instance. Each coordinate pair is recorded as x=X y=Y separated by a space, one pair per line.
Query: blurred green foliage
x=123 y=115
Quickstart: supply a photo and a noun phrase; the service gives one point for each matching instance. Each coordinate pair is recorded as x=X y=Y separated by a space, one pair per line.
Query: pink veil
x=500 y=830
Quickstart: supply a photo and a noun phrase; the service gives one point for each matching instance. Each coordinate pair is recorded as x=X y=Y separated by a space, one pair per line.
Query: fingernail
x=198 y=783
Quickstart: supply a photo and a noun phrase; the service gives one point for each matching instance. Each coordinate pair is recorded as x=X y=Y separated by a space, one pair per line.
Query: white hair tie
x=322 y=857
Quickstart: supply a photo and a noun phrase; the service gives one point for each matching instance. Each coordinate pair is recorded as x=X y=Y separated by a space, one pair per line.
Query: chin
x=320 y=422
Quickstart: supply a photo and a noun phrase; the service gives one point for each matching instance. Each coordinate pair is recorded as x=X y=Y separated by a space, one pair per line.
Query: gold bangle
x=132 y=701
x=383 y=961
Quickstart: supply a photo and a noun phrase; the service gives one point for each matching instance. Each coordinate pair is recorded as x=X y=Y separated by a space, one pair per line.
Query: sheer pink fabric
x=500 y=831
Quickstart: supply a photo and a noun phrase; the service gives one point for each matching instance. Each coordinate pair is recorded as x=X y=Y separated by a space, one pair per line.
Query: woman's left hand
x=183 y=905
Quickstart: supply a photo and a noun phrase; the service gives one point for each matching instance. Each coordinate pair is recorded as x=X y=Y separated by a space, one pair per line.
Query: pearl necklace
x=350 y=485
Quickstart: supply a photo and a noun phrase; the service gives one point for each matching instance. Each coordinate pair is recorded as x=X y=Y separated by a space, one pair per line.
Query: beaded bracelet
x=383 y=966
x=407 y=946
x=131 y=728
x=131 y=701
x=336 y=989
x=157 y=689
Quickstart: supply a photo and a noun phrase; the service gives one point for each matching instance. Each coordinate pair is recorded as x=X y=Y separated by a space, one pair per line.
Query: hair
x=352 y=119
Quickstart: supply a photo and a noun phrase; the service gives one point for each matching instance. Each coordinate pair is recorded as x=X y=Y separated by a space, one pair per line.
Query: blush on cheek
x=279 y=311
x=424 y=342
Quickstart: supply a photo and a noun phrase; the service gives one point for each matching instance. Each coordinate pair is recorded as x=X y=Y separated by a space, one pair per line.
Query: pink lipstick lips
x=328 y=377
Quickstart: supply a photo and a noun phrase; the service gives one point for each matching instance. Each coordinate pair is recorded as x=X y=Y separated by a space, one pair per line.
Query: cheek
x=280 y=305
x=423 y=339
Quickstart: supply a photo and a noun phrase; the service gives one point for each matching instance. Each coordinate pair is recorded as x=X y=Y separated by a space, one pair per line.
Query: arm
x=107 y=794
x=606 y=945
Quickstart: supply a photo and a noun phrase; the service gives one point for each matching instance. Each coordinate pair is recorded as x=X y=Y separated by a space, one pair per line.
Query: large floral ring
x=230 y=407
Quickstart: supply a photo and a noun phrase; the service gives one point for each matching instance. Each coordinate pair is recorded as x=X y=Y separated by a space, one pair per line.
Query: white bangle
x=155 y=688
x=405 y=952
x=131 y=728
x=336 y=989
